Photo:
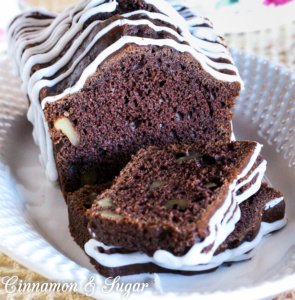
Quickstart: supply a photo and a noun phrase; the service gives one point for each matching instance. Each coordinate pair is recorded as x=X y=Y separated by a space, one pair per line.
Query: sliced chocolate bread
x=78 y=204
x=177 y=199
x=106 y=78
x=267 y=204
x=261 y=214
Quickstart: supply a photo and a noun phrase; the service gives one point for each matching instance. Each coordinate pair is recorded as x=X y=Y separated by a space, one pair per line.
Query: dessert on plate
x=106 y=78
x=178 y=209
x=132 y=111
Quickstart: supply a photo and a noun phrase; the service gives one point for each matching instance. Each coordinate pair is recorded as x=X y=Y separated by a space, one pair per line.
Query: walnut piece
x=88 y=178
x=110 y=215
x=210 y=185
x=105 y=202
x=181 y=203
x=157 y=184
x=93 y=196
x=194 y=155
x=66 y=127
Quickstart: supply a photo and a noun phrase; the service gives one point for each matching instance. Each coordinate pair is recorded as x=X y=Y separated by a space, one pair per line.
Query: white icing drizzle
x=20 y=29
x=195 y=22
x=273 y=203
x=233 y=137
x=237 y=254
x=252 y=161
x=205 y=33
x=260 y=170
x=58 y=32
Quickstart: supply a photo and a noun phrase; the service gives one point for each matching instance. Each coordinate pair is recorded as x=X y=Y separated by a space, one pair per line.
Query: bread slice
x=78 y=204
x=176 y=204
x=174 y=199
x=267 y=206
x=261 y=207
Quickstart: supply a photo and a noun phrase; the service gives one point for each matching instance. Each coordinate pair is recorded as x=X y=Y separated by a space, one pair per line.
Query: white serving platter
x=33 y=214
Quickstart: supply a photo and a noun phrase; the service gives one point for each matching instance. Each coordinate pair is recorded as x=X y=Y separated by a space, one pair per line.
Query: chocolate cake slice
x=78 y=204
x=261 y=214
x=106 y=78
x=176 y=202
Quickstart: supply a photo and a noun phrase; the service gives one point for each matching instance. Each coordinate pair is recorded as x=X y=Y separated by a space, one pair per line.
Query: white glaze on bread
x=242 y=252
x=53 y=34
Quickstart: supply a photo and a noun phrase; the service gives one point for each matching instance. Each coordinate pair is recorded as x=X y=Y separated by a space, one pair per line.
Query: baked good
x=174 y=209
x=106 y=78
x=175 y=197
x=78 y=204
x=262 y=214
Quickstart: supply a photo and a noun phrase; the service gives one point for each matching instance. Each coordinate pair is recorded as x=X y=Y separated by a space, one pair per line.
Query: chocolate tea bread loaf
x=106 y=78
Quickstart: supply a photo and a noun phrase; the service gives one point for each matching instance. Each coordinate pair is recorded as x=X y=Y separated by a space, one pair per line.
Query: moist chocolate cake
x=265 y=206
x=173 y=206
x=257 y=219
x=108 y=77
x=78 y=203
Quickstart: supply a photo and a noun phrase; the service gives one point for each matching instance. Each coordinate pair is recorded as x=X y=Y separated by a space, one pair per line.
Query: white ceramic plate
x=33 y=214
